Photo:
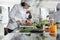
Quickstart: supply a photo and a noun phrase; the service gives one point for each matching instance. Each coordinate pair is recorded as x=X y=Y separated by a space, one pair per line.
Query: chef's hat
x=58 y=6
x=27 y=1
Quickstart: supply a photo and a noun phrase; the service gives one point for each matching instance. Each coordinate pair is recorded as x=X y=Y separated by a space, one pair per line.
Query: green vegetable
x=28 y=30
x=44 y=22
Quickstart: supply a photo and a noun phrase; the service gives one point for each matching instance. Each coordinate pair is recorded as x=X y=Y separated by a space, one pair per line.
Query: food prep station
x=29 y=33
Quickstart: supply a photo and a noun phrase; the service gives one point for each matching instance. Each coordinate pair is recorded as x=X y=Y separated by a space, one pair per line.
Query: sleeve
x=12 y=15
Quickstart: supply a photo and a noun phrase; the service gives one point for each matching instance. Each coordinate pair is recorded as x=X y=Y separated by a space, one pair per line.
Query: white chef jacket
x=17 y=13
x=57 y=16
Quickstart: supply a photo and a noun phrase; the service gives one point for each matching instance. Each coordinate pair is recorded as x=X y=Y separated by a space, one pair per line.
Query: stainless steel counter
x=23 y=36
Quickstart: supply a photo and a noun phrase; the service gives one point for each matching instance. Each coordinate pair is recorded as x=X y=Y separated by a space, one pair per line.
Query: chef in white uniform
x=57 y=20
x=17 y=16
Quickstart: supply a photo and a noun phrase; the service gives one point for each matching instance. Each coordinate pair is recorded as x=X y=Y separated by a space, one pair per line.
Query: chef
x=57 y=20
x=17 y=16
x=57 y=14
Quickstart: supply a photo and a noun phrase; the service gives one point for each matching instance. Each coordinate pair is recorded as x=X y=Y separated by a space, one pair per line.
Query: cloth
x=6 y=31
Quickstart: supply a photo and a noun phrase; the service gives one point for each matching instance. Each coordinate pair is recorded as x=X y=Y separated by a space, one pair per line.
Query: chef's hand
x=21 y=22
x=47 y=30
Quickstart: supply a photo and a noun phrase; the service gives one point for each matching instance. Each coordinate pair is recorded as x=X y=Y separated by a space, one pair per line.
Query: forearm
x=21 y=22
